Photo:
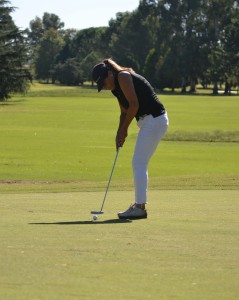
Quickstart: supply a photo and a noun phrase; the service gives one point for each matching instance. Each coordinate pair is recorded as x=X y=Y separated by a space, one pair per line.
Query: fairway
x=48 y=138
x=187 y=249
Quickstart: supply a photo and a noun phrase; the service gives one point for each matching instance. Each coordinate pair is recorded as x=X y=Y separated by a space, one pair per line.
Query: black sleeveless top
x=149 y=103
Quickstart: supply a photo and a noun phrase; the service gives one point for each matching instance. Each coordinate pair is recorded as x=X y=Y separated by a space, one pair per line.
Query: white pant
x=150 y=134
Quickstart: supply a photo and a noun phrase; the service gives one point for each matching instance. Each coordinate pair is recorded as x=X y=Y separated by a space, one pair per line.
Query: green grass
x=186 y=249
x=57 y=150
x=71 y=139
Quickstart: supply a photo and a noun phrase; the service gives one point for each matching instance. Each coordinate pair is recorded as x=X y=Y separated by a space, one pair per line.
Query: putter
x=101 y=210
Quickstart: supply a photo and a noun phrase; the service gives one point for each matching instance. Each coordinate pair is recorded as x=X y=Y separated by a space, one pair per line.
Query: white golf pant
x=150 y=134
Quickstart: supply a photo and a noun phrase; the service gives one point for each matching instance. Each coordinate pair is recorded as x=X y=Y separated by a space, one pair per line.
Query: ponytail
x=114 y=67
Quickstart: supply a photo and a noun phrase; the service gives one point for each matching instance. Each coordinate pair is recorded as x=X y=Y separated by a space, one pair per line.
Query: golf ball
x=95 y=218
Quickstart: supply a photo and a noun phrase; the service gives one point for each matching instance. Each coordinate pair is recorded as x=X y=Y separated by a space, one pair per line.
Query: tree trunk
x=183 y=86
x=192 y=86
x=215 y=88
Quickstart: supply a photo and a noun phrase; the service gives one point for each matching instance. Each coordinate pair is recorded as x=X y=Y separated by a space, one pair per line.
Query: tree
x=150 y=66
x=14 y=75
x=37 y=29
x=66 y=52
x=230 y=42
x=86 y=65
x=68 y=73
x=88 y=46
x=218 y=20
x=35 y=32
x=132 y=41
x=87 y=41
x=49 y=47
x=51 y=21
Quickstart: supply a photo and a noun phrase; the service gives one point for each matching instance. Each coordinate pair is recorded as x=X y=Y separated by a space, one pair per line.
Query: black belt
x=155 y=115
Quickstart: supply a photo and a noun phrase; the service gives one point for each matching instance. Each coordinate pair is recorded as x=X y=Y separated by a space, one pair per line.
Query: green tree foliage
x=38 y=27
x=66 y=51
x=173 y=43
x=134 y=35
x=151 y=65
x=35 y=32
x=194 y=38
x=37 y=38
x=230 y=40
x=14 y=76
x=51 y=21
x=87 y=41
x=48 y=49
x=68 y=73
x=85 y=48
x=87 y=63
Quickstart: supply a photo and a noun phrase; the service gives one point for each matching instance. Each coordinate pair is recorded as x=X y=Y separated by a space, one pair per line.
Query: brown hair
x=113 y=66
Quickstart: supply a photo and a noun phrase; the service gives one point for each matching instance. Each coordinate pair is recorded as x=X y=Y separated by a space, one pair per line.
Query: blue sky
x=76 y=14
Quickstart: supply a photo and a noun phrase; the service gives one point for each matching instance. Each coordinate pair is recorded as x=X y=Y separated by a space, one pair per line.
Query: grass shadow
x=98 y=222
x=12 y=101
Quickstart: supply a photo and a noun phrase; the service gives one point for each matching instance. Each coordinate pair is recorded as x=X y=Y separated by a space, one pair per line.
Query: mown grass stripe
x=203 y=136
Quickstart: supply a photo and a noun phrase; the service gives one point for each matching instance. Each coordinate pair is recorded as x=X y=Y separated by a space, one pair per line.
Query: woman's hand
x=120 y=137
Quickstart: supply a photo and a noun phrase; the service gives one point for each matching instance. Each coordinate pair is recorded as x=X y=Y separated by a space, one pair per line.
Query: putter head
x=93 y=212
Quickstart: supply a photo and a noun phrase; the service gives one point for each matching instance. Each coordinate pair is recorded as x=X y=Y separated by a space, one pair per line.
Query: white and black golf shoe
x=133 y=212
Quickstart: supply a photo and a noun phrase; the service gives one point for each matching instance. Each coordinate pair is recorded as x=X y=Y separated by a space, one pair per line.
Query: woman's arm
x=126 y=117
x=123 y=113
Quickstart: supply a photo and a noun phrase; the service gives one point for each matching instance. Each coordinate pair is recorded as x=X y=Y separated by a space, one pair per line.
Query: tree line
x=173 y=43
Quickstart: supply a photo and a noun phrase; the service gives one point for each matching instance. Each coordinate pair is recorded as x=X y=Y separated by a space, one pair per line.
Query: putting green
x=186 y=249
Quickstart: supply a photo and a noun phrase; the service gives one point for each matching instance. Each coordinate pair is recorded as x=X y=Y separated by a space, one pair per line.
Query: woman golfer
x=137 y=99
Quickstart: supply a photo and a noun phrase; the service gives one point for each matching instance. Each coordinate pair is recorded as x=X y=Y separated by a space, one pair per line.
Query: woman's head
x=107 y=68
x=99 y=74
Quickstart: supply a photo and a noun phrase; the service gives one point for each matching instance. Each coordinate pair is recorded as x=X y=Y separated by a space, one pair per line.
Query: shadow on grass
x=98 y=222
x=11 y=101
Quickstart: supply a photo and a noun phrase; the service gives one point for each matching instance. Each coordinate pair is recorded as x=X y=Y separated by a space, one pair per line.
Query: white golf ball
x=95 y=218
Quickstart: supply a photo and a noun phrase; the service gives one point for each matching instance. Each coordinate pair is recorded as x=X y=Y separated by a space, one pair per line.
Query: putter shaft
x=107 y=188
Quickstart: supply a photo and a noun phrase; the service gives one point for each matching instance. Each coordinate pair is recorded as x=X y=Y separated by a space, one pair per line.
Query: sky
x=78 y=14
